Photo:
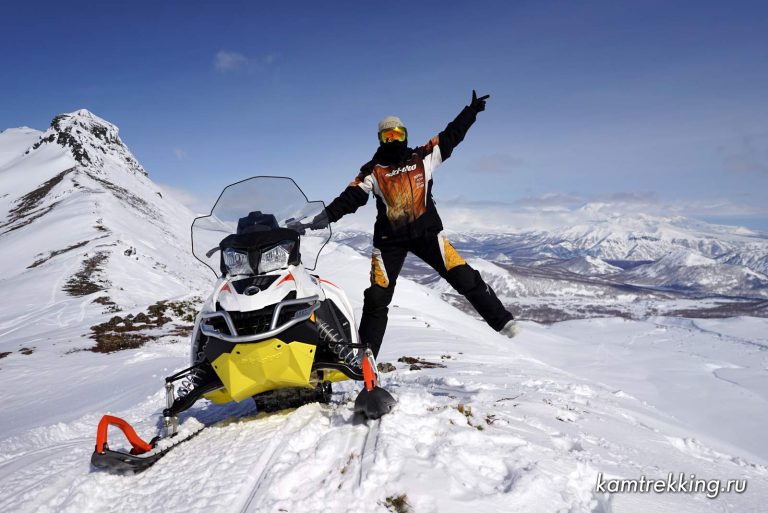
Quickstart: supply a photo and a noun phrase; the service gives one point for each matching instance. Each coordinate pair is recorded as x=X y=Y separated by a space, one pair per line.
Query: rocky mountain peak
x=93 y=142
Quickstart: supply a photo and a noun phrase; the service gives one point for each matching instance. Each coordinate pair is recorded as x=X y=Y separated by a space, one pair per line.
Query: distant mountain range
x=84 y=231
x=613 y=264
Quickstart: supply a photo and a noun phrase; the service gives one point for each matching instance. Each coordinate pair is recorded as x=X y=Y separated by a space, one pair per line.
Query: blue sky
x=661 y=103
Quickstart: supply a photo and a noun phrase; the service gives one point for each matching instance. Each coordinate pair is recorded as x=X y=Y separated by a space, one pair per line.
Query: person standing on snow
x=407 y=220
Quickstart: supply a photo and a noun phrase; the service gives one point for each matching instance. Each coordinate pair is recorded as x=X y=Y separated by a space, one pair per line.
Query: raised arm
x=454 y=133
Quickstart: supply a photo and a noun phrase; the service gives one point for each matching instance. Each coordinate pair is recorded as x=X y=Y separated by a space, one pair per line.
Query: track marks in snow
x=697 y=449
x=295 y=423
x=319 y=467
x=30 y=480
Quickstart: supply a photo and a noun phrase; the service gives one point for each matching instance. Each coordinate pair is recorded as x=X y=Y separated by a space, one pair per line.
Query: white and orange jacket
x=403 y=186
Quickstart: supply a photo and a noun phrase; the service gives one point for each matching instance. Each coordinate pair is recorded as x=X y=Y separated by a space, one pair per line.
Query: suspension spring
x=336 y=343
x=189 y=381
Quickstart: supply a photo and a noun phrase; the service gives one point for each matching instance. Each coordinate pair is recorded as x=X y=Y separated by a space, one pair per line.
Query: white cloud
x=227 y=61
x=557 y=210
x=197 y=204
x=180 y=153
x=552 y=199
x=570 y=200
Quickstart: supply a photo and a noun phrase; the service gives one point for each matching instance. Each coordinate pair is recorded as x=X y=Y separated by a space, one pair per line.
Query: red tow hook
x=369 y=375
x=139 y=445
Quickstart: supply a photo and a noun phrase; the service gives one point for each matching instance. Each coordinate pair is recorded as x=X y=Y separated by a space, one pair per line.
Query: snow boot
x=511 y=329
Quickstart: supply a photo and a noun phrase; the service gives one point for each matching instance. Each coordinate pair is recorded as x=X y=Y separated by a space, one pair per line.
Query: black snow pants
x=435 y=250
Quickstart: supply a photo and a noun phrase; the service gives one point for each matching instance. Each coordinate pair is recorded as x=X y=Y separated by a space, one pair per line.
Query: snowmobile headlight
x=236 y=262
x=276 y=258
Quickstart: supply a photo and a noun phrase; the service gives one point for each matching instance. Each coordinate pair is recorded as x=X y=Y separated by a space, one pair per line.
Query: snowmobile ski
x=143 y=454
x=372 y=401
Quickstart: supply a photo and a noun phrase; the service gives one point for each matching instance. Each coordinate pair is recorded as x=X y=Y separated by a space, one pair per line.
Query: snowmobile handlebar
x=299 y=227
x=302 y=228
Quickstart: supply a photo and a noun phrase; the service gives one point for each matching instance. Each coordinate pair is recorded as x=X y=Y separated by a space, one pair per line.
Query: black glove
x=296 y=226
x=478 y=104
x=320 y=221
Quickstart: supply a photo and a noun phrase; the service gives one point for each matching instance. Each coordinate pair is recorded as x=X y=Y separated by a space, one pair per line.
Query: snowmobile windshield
x=260 y=209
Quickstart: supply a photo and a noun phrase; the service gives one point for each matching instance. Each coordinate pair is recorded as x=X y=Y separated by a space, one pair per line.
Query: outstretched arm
x=351 y=198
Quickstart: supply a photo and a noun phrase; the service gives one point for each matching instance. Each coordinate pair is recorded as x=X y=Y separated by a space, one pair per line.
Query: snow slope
x=520 y=425
x=83 y=232
x=14 y=141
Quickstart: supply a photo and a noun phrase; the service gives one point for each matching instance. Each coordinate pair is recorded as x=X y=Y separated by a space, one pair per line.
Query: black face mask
x=391 y=152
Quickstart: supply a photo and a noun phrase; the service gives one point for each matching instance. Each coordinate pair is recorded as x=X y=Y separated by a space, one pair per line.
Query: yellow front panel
x=260 y=366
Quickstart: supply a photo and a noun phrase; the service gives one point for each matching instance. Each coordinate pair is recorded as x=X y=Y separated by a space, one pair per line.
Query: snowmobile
x=271 y=330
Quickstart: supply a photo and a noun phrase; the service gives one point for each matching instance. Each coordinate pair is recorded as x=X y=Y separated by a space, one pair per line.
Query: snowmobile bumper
x=252 y=368
x=312 y=302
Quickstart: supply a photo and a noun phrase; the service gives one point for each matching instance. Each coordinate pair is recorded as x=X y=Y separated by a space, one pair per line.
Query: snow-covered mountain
x=490 y=424
x=83 y=230
x=585 y=265
x=685 y=270
x=600 y=232
x=604 y=262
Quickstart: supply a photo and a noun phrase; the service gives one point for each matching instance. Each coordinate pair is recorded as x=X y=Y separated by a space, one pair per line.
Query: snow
x=504 y=425
x=588 y=265
x=688 y=270
x=14 y=141
x=106 y=207
x=547 y=411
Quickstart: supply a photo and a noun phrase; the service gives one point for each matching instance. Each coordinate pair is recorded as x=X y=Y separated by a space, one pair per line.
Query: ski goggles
x=398 y=133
